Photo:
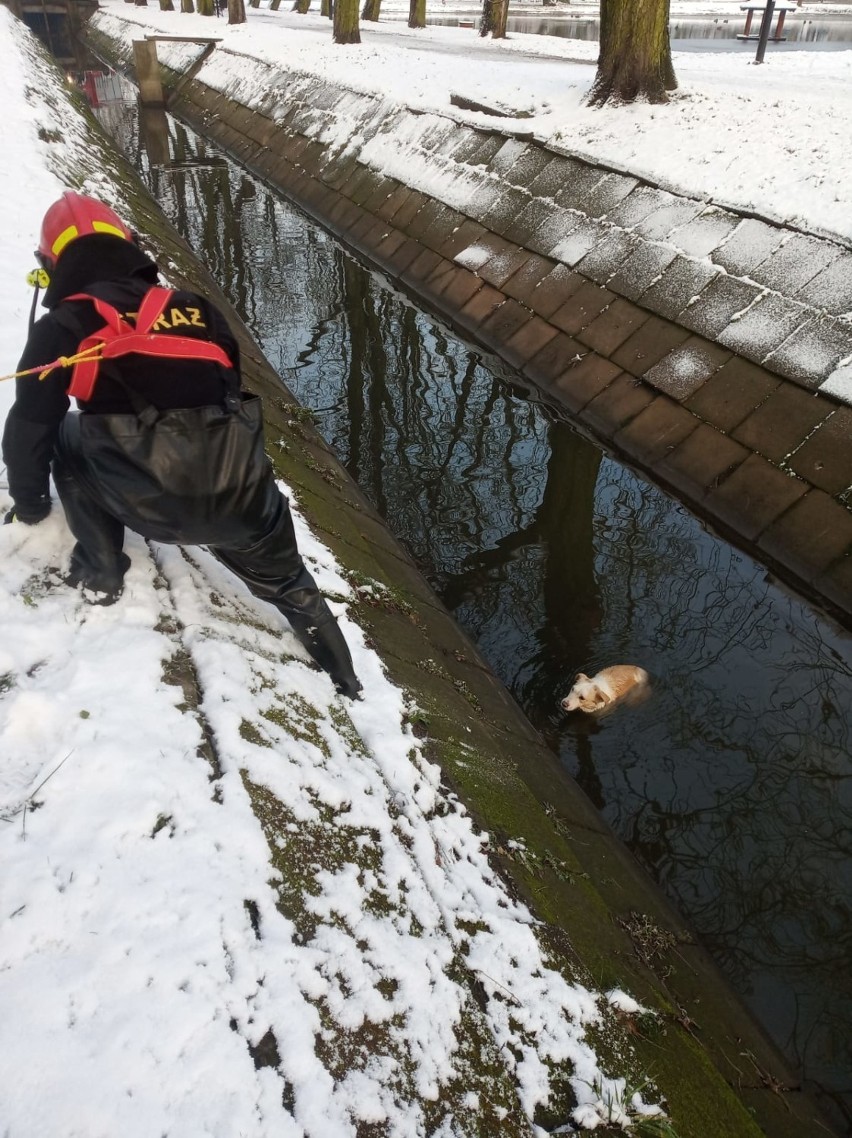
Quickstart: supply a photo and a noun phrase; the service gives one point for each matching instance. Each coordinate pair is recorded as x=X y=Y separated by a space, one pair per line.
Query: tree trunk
x=205 y=8
x=494 y=16
x=370 y=11
x=141 y=3
x=417 y=13
x=327 y=8
x=346 y=22
x=487 y=22
x=187 y=6
x=635 y=60
x=501 y=14
x=301 y=6
x=274 y=5
x=166 y=6
x=236 y=12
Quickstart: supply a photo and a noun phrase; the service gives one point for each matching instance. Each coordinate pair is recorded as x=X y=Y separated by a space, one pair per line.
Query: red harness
x=119 y=338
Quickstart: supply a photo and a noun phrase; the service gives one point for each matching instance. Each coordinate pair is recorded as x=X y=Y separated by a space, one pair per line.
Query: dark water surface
x=733 y=783
x=825 y=32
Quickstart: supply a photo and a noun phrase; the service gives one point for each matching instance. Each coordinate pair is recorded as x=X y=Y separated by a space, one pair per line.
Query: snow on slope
x=231 y=903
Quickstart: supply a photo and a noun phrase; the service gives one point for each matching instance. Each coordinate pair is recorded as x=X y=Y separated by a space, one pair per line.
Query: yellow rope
x=93 y=353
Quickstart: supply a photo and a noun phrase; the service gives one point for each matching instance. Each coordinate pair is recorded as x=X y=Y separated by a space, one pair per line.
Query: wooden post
x=155 y=134
x=148 y=73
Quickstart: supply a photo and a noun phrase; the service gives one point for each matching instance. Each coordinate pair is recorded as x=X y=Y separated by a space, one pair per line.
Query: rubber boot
x=324 y=643
x=98 y=563
x=97 y=590
x=275 y=572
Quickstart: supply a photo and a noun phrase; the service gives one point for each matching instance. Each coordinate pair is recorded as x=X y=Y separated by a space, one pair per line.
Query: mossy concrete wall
x=604 y=920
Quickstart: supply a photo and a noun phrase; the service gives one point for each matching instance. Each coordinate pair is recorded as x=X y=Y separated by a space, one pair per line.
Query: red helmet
x=76 y=215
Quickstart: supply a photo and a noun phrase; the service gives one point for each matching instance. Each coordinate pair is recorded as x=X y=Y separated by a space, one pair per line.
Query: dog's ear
x=581 y=676
x=598 y=697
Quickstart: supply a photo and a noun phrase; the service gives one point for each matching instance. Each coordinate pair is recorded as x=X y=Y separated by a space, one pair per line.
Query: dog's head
x=585 y=695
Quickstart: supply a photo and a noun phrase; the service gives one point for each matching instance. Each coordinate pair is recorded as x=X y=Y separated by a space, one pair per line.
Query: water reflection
x=827 y=32
x=732 y=783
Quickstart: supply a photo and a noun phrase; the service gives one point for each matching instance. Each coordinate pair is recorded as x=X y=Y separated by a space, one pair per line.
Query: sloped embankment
x=236 y=903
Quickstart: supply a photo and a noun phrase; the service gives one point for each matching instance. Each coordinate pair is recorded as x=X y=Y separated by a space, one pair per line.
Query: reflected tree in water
x=735 y=785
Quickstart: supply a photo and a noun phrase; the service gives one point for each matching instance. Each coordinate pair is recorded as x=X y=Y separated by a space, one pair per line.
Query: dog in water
x=621 y=683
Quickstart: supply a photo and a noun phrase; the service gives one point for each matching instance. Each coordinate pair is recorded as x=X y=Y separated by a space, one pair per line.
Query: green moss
x=298 y=850
x=375 y=594
x=296 y=413
x=298 y=719
x=433 y=668
x=344 y=727
x=251 y=734
x=651 y=942
x=163 y=821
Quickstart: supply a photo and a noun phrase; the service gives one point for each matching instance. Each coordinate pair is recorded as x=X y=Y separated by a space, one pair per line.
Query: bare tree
x=417 y=13
x=370 y=11
x=205 y=8
x=635 y=60
x=236 y=12
x=346 y=28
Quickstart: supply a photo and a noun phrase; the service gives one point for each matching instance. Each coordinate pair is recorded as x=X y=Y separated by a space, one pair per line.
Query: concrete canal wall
x=708 y=347
x=601 y=916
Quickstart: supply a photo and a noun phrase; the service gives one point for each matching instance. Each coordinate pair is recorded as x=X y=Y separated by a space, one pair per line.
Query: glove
x=29 y=515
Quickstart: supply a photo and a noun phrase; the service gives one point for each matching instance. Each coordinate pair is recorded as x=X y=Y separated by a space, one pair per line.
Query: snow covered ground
x=231 y=903
x=772 y=138
x=171 y=962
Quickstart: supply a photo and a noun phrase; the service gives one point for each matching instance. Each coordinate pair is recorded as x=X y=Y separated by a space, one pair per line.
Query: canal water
x=825 y=32
x=732 y=784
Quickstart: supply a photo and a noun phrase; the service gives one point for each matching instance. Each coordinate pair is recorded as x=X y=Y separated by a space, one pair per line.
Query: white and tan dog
x=610 y=686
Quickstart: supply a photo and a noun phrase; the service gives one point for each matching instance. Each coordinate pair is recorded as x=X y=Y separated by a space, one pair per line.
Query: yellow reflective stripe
x=72 y=231
x=62 y=240
x=105 y=227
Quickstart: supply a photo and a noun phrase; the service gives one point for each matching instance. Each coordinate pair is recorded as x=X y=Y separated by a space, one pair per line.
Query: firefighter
x=165 y=443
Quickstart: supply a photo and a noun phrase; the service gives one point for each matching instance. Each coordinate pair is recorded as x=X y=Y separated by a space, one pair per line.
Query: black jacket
x=118 y=272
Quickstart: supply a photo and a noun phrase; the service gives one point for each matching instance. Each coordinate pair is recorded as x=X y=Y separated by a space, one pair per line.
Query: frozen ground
x=771 y=138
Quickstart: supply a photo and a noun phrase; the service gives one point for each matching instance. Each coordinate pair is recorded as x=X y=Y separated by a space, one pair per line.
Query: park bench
x=776 y=36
